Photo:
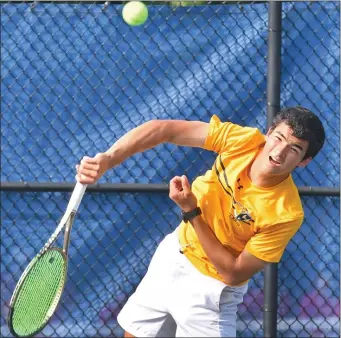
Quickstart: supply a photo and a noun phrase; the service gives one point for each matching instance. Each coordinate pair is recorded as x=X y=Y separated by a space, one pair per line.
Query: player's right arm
x=139 y=139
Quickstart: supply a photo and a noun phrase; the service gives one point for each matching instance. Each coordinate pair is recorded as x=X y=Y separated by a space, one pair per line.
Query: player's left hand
x=180 y=192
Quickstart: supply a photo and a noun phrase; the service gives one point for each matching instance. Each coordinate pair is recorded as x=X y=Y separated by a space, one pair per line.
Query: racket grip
x=76 y=197
x=74 y=202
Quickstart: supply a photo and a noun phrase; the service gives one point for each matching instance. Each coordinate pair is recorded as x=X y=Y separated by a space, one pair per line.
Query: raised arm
x=139 y=139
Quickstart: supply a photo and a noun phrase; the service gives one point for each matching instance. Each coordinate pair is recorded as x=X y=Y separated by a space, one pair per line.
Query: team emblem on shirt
x=243 y=216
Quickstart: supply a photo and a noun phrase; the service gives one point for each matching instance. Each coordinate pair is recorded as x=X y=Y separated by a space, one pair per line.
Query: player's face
x=283 y=152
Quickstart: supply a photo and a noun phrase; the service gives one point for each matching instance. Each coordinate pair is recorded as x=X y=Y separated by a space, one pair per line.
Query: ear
x=304 y=162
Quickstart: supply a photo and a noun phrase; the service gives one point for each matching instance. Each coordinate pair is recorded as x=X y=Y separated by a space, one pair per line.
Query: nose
x=281 y=151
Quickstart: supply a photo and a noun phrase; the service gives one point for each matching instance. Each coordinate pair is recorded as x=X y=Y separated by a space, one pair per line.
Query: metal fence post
x=273 y=106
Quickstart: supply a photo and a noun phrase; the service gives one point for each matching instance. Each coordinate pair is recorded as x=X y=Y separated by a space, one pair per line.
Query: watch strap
x=187 y=216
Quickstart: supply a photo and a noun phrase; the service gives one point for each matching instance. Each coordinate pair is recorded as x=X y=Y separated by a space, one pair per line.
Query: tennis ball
x=135 y=13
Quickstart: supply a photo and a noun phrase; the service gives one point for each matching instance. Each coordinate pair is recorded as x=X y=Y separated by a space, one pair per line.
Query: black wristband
x=187 y=216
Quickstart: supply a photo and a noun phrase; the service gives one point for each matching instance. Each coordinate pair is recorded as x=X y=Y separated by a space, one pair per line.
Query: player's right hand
x=91 y=169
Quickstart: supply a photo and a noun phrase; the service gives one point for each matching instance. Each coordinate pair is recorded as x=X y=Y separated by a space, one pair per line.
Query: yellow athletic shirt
x=242 y=215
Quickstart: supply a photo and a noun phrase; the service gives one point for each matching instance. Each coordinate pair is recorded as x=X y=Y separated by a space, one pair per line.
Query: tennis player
x=236 y=218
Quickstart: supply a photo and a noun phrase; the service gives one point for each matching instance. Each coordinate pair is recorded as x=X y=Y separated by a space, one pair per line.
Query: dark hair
x=305 y=125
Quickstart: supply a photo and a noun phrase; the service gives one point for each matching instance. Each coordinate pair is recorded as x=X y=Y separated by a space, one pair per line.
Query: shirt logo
x=243 y=216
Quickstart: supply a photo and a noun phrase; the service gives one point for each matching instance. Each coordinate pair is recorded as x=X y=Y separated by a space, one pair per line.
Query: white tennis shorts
x=174 y=299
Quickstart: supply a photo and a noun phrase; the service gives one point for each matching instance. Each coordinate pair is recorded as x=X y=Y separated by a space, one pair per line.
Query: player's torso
x=232 y=206
x=227 y=201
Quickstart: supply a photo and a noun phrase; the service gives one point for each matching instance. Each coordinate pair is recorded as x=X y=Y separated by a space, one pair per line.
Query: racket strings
x=39 y=293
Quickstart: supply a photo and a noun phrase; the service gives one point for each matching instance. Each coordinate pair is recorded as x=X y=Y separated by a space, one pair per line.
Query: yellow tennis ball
x=135 y=13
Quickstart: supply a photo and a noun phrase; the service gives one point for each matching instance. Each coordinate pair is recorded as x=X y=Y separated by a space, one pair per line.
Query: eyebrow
x=294 y=145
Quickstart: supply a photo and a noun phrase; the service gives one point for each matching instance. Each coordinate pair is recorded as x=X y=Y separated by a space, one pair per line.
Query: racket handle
x=76 y=197
x=74 y=202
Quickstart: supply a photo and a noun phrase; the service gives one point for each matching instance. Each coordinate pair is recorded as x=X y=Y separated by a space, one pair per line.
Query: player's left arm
x=234 y=270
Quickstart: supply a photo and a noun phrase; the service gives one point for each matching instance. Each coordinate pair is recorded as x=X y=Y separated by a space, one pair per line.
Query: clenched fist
x=90 y=169
x=180 y=192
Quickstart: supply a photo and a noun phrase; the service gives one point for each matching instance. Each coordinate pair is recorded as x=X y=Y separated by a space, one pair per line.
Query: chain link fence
x=75 y=77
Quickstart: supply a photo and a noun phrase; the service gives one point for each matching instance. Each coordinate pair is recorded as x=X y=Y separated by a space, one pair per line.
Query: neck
x=261 y=179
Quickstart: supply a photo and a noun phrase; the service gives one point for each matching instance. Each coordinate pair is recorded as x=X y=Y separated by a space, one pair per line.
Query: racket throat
x=67 y=233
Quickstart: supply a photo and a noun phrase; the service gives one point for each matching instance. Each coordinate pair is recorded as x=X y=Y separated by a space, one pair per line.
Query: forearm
x=221 y=257
x=144 y=137
x=234 y=270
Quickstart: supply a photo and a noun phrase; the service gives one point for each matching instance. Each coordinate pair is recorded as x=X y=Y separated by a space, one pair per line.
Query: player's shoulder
x=232 y=138
x=216 y=123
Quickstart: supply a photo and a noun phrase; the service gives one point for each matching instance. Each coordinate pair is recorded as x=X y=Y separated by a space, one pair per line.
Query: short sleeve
x=270 y=243
x=230 y=137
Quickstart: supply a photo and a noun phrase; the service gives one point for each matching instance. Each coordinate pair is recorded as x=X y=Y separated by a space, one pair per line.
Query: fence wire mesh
x=75 y=77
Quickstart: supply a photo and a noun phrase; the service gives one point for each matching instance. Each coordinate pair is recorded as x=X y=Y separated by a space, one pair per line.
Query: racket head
x=37 y=293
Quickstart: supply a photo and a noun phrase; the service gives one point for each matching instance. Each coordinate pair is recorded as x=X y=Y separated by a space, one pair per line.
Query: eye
x=277 y=138
x=294 y=150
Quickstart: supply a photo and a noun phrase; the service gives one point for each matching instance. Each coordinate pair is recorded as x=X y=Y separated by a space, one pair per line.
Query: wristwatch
x=187 y=216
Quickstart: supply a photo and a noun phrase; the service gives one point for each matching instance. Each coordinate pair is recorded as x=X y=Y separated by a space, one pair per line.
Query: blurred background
x=75 y=77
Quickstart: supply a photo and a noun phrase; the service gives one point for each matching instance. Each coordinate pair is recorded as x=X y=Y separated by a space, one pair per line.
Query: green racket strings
x=39 y=293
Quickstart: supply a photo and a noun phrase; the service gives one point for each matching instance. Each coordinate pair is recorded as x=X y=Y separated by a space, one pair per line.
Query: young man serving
x=236 y=218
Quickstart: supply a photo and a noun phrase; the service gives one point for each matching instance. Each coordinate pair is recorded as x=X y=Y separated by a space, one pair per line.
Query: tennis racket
x=39 y=289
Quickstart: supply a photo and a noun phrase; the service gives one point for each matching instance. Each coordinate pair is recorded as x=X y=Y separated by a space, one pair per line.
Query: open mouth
x=273 y=161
